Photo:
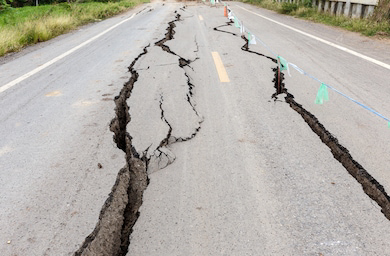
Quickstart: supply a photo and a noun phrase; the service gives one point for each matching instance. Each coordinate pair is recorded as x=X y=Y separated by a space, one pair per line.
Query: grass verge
x=367 y=27
x=28 y=25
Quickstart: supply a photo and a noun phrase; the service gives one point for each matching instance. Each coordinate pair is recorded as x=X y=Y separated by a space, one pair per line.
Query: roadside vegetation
x=21 y=26
x=378 y=24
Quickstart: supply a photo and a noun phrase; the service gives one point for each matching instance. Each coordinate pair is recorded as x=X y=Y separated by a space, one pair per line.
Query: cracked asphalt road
x=204 y=167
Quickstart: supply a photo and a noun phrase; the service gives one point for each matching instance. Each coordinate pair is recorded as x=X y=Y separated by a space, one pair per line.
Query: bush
x=4 y=5
x=288 y=8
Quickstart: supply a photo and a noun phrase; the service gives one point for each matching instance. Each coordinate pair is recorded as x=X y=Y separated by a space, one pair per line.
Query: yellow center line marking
x=200 y=17
x=223 y=76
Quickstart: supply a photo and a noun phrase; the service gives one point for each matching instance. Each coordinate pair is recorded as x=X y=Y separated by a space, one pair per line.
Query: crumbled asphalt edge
x=120 y=210
x=119 y=213
x=369 y=184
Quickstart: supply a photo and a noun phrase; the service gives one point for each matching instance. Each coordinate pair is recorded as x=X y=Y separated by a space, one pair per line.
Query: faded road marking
x=223 y=76
x=53 y=93
x=382 y=64
x=200 y=17
x=6 y=149
x=38 y=69
x=84 y=103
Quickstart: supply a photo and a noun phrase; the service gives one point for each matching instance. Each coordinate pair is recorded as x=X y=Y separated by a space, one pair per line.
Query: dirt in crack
x=369 y=184
x=120 y=211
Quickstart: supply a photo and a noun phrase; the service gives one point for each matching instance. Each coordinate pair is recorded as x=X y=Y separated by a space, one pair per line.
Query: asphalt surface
x=232 y=171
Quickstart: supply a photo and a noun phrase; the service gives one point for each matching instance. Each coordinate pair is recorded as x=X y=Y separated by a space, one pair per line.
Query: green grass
x=28 y=25
x=368 y=27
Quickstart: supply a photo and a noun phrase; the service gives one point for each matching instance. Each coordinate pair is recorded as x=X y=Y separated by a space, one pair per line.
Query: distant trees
x=382 y=11
x=20 y=3
x=4 y=4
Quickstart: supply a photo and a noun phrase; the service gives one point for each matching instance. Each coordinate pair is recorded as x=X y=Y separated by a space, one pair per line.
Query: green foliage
x=28 y=25
x=307 y=3
x=288 y=8
x=4 y=5
x=378 y=24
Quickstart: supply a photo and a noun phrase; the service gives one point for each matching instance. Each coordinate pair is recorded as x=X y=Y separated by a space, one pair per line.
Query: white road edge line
x=38 y=69
x=382 y=64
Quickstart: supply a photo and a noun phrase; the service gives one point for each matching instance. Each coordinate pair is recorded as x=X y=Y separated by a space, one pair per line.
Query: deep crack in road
x=111 y=235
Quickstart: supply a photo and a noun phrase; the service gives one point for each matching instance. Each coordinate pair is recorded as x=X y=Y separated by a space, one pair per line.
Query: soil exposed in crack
x=369 y=184
x=120 y=211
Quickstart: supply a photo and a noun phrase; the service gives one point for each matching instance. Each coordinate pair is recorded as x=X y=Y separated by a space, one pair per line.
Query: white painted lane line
x=382 y=64
x=40 y=68
x=223 y=76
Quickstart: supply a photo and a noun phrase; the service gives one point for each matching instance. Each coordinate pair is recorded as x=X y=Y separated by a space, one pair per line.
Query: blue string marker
x=324 y=86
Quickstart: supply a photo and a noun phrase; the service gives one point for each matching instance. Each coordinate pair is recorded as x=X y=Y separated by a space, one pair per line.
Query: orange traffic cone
x=225 y=11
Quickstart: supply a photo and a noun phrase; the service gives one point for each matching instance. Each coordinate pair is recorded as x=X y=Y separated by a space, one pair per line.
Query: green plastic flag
x=283 y=63
x=236 y=22
x=249 y=37
x=212 y=1
x=322 y=94
x=388 y=124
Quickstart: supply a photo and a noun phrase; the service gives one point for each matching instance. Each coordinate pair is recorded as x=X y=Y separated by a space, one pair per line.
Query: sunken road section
x=119 y=213
x=369 y=184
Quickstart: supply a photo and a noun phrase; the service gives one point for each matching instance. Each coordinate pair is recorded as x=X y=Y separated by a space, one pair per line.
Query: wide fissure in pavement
x=370 y=185
x=120 y=211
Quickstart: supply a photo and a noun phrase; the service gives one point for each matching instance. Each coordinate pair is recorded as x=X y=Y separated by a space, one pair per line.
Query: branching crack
x=182 y=64
x=119 y=213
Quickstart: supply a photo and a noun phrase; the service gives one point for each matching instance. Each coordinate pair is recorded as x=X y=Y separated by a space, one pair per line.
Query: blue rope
x=316 y=79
